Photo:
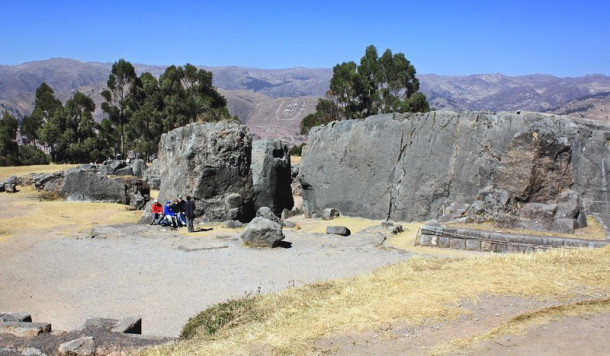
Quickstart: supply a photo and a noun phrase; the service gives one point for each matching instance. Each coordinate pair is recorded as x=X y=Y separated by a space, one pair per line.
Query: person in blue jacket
x=169 y=214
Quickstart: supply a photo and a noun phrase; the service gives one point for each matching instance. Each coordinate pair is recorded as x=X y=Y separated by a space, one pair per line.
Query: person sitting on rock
x=176 y=209
x=182 y=210
x=157 y=210
x=169 y=215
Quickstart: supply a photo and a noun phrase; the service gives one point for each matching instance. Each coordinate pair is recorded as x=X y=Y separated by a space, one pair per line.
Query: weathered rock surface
x=261 y=232
x=209 y=162
x=330 y=213
x=83 y=346
x=338 y=230
x=410 y=166
x=271 y=176
x=266 y=213
x=86 y=185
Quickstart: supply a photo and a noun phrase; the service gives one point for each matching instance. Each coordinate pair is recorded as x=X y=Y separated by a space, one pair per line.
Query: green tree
x=30 y=155
x=146 y=125
x=9 y=150
x=121 y=83
x=45 y=106
x=189 y=96
x=377 y=85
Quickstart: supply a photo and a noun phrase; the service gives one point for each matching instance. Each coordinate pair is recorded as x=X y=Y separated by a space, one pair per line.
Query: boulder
x=209 y=162
x=338 y=230
x=261 y=232
x=423 y=162
x=330 y=213
x=138 y=167
x=271 y=176
x=266 y=213
x=84 y=185
x=125 y=171
x=10 y=188
x=84 y=346
x=49 y=181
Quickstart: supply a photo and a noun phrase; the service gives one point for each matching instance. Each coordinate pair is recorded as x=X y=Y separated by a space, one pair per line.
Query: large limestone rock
x=85 y=185
x=271 y=176
x=411 y=166
x=210 y=162
x=261 y=232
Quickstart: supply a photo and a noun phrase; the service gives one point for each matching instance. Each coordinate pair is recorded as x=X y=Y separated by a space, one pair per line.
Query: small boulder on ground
x=330 y=213
x=83 y=346
x=261 y=232
x=265 y=212
x=338 y=230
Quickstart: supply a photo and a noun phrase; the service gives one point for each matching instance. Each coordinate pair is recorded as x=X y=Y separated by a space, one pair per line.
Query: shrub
x=227 y=314
x=30 y=155
x=297 y=150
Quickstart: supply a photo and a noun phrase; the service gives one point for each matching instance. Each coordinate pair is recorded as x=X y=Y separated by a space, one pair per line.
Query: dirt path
x=165 y=277
x=567 y=336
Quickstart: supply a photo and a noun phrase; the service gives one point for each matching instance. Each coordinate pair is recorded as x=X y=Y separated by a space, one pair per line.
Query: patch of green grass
x=224 y=315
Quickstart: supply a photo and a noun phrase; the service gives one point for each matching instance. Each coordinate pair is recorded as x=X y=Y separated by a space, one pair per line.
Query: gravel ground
x=166 y=277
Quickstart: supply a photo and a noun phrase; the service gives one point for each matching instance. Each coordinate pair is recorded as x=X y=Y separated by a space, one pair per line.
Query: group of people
x=180 y=213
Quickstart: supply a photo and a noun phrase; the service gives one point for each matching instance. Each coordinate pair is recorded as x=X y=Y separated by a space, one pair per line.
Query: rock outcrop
x=411 y=166
x=210 y=162
x=86 y=185
x=271 y=176
x=261 y=232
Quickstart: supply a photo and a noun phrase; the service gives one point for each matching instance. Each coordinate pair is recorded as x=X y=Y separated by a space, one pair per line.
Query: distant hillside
x=497 y=92
x=273 y=101
x=596 y=106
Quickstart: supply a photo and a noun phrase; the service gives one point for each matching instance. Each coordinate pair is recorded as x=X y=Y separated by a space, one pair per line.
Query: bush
x=50 y=195
x=223 y=315
x=297 y=150
x=30 y=155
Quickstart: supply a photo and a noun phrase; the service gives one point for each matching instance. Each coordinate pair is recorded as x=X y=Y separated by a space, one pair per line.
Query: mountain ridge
x=267 y=100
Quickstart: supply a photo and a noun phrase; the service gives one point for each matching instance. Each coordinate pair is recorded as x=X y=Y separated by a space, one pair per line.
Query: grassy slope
x=20 y=171
x=421 y=289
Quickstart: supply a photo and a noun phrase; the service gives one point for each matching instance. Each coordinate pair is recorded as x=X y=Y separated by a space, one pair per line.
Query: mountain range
x=272 y=102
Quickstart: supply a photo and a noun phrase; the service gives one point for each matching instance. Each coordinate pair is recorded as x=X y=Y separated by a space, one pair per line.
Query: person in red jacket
x=157 y=210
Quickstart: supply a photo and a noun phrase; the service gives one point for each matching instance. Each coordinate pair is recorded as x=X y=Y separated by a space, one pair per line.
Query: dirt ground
x=166 y=276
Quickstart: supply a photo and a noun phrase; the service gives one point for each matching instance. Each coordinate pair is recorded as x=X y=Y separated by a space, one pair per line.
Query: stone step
x=24 y=329
x=15 y=317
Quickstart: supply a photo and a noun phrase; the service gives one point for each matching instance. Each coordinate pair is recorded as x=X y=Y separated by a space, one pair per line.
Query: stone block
x=457 y=243
x=84 y=346
x=425 y=239
x=338 y=230
x=486 y=246
x=473 y=244
x=330 y=213
x=15 y=317
x=24 y=329
x=443 y=242
x=128 y=326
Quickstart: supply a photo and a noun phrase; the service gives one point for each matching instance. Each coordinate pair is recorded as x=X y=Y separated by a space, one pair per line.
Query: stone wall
x=406 y=167
x=477 y=240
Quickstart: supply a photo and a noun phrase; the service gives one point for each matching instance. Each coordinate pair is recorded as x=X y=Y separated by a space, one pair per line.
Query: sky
x=459 y=37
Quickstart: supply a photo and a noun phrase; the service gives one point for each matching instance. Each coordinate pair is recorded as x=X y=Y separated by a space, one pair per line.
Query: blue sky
x=562 y=38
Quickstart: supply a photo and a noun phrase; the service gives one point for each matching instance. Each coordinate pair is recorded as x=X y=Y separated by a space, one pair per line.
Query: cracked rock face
x=209 y=162
x=407 y=167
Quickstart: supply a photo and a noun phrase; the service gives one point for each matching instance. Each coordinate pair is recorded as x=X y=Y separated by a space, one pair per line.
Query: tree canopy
x=378 y=85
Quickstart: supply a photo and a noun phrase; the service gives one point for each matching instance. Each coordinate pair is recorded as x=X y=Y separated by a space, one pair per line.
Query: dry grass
x=318 y=226
x=413 y=291
x=29 y=212
x=20 y=171
x=525 y=321
x=295 y=159
x=593 y=231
